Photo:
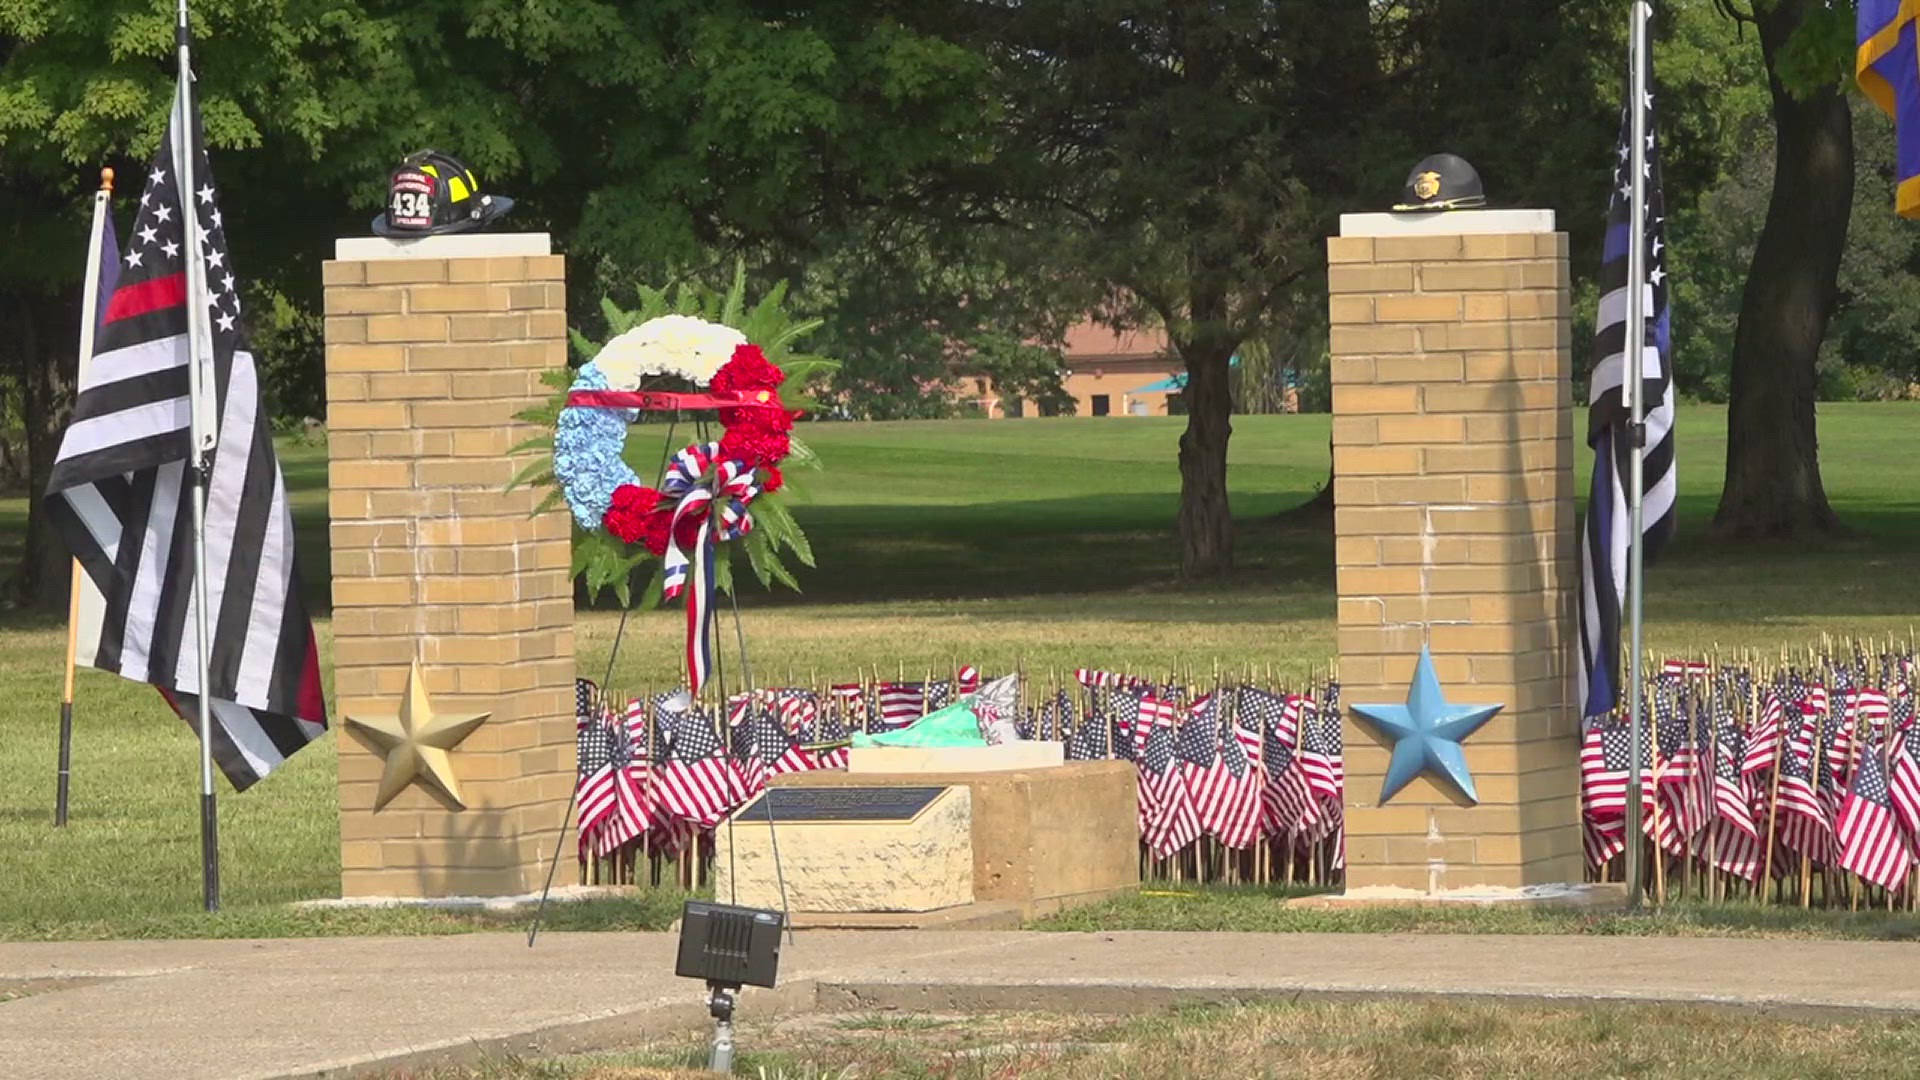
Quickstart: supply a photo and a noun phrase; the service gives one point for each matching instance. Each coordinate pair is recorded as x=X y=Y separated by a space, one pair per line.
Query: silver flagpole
x=202 y=388
x=1633 y=345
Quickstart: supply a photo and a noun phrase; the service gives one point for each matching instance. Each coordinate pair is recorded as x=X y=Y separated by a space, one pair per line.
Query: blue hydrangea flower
x=587 y=453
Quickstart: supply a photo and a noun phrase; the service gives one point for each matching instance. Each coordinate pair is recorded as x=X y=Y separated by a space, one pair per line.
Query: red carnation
x=656 y=530
x=640 y=500
x=747 y=370
x=754 y=446
x=757 y=416
x=626 y=518
x=773 y=481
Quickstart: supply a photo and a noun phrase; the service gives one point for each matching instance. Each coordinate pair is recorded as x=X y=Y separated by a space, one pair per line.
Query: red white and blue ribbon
x=716 y=494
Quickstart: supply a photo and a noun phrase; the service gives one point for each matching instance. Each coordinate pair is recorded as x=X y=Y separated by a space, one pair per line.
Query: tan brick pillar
x=431 y=349
x=1454 y=521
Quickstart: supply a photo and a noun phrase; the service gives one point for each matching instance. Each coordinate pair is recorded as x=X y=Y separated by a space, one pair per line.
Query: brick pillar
x=431 y=349
x=1454 y=522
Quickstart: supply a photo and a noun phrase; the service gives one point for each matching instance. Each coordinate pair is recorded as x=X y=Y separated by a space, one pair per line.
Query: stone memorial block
x=849 y=849
x=1039 y=839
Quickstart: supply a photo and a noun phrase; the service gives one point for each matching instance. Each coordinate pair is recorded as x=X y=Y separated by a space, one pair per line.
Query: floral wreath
x=707 y=489
x=590 y=439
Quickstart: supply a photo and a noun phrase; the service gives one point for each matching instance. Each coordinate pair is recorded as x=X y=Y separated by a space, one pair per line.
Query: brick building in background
x=1109 y=373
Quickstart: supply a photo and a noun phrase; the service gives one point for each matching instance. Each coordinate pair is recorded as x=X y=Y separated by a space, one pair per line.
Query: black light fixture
x=728 y=946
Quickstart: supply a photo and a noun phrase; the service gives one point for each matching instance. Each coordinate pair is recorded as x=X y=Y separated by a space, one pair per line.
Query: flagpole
x=1633 y=345
x=76 y=581
x=205 y=432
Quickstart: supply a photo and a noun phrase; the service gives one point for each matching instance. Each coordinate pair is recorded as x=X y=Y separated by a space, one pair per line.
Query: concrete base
x=1041 y=839
x=561 y=894
x=1604 y=896
x=959 y=917
x=955 y=759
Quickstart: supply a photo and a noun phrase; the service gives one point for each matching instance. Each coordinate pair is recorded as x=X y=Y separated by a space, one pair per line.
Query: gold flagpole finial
x=106 y=179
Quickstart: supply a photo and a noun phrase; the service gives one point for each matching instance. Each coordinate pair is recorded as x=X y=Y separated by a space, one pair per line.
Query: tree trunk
x=1773 y=486
x=40 y=579
x=1206 y=519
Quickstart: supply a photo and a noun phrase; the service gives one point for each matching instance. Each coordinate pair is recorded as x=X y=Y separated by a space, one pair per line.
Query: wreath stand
x=647 y=401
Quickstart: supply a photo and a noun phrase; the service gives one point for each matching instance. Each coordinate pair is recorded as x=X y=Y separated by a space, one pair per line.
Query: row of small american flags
x=1242 y=776
x=1777 y=779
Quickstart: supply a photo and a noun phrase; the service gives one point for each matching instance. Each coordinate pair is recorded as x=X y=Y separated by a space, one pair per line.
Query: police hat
x=1442 y=182
x=433 y=193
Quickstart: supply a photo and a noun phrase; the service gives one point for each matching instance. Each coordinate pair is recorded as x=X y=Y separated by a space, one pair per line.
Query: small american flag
x=758 y=742
x=697 y=782
x=1871 y=710
x=1870 y=840
x=1602 y=840
x=1836 y=775
x=968 y=678
x=633 y=808
x=1903 y=782
x=939 y=694
x=1732 y=799
x=850 y=700
x=1763 y=738
x=1676 y=776
x=1094 y=679
x=594 y=785
x=1320 y=752
x=799 y=713
x=1286 y=803
x=1168 y=821
x=1123 y=716
x=1090 y=737
x=1196 y=748
x=901 y=703
x=586 y=697
x=1804 y=823
x=1225 y=790
x=1735 y=850
x=1605 y=766
x=832 y=743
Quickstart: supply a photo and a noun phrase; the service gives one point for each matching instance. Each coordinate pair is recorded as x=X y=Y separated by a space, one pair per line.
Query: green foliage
x=601 y=560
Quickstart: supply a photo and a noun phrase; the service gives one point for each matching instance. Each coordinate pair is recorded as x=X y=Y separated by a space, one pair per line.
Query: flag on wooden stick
x=121 y=492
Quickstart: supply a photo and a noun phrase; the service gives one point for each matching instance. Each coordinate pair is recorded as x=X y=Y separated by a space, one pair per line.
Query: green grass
x=1263 y=909
x=1383 y=1039
x=1040 y=543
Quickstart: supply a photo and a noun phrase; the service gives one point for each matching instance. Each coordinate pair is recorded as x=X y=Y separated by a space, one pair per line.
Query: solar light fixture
x=728 y=946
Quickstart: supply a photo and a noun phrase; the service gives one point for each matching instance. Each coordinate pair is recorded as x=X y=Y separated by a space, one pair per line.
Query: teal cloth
x=955 y=725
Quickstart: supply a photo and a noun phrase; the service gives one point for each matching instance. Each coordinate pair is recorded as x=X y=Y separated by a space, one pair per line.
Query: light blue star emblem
x=1426 y=733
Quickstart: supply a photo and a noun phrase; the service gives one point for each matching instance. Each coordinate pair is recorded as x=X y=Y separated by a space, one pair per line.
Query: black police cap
x=1442 y=182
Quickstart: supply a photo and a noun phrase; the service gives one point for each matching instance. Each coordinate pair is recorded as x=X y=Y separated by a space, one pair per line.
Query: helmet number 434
x=411 y=206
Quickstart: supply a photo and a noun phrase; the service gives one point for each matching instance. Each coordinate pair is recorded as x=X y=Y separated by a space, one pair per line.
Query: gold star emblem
x=416 y=742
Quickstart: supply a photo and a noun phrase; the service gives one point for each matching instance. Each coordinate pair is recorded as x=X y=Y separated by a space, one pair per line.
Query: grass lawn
x=1259 y=909
x=1384 y=1040
x=1040 y=543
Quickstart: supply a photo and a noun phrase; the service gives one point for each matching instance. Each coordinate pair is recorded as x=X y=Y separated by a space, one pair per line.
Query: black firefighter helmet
x=433 y=193
x=1442 y=182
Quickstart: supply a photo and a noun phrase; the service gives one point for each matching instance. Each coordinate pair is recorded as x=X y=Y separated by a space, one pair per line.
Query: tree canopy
x=949 y=186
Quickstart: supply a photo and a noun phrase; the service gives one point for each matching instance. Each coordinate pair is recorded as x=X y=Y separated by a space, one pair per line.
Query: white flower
x=669 y=345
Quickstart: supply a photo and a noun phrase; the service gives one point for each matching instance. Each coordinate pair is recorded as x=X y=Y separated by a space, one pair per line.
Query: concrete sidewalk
x=217 y=1009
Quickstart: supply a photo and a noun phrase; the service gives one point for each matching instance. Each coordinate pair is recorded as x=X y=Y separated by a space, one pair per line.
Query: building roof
x=1094 y=341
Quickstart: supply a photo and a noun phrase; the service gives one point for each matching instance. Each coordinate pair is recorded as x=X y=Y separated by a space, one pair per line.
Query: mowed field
x=1041 y=544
